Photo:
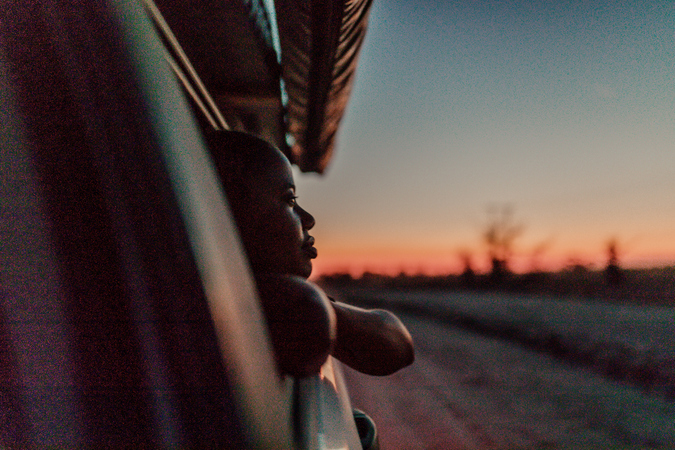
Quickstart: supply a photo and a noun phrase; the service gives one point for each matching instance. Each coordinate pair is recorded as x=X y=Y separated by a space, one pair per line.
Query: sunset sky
x=563 y=110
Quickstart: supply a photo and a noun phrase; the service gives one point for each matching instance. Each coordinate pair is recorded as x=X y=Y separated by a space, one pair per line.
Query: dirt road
x=466 y=391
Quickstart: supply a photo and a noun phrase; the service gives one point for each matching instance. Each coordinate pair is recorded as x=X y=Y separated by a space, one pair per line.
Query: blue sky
x=563 y=110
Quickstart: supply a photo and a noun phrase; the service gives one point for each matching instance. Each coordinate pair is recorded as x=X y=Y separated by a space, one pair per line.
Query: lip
x=308 y=247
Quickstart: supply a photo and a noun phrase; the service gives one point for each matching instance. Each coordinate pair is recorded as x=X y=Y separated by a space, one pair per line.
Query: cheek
x=290 y=226
x=280 y=228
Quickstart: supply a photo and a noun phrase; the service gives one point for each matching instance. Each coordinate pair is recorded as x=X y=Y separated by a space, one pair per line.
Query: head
x=259 y=185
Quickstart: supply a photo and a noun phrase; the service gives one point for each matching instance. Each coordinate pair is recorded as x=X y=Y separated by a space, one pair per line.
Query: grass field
x=627 y=338
x=654 y=286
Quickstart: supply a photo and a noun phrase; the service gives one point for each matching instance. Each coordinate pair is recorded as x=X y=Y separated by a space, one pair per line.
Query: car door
x=128 y=316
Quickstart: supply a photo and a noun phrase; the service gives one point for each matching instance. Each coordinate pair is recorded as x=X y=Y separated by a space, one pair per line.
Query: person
x=305 y=325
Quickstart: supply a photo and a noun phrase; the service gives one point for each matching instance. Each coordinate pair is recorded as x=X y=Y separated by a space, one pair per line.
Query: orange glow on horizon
x=433 y=254
x=418 y=264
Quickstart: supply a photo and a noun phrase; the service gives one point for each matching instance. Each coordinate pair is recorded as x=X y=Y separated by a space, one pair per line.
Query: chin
x=307 y=271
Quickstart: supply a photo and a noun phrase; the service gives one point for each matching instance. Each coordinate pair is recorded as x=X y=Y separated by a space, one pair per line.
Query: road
x=467 y=391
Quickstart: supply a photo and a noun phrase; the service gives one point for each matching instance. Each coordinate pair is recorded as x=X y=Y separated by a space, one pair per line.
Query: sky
x=561 y=111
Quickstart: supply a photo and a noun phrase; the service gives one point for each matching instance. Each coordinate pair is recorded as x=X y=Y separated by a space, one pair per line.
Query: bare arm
x=301 y=323
x=374 y=341
x=305 y=327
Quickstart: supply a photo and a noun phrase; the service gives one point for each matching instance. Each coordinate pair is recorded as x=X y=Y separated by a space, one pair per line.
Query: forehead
x=273 y=171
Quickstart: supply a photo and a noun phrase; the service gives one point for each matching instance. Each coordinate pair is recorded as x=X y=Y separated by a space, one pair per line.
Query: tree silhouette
x=499 y=236
x=468 y=276
x=613 y=273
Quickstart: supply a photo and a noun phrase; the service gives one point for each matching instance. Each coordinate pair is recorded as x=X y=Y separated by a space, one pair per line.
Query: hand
x=372 y=341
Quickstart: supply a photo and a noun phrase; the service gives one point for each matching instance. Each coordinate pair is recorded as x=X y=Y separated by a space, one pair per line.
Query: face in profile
x=273 y=227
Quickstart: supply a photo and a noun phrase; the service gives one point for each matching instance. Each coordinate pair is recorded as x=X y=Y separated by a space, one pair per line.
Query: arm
x=301 y=323
x=374 y=341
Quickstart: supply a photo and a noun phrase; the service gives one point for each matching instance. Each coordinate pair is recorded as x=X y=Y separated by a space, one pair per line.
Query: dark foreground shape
x=128 y=318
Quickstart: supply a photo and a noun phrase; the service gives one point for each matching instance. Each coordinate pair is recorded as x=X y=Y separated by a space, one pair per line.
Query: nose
x=306 y=218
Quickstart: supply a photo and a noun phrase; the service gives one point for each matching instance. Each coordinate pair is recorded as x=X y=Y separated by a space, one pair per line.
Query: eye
x=291 y=199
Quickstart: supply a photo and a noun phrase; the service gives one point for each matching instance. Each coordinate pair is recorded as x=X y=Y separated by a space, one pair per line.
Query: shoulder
x=289 y=285
x=301 y=322
x=292 y=298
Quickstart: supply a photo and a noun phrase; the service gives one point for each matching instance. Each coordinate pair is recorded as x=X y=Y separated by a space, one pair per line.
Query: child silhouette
x=305 y=326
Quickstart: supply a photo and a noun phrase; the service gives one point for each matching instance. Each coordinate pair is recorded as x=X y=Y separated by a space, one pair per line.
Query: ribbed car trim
x=320 y=44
